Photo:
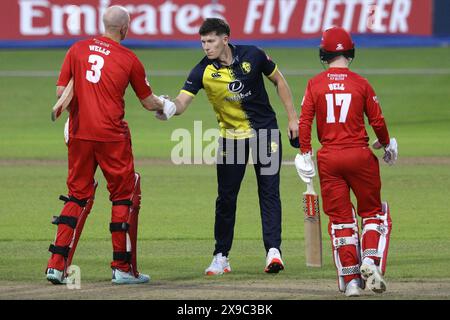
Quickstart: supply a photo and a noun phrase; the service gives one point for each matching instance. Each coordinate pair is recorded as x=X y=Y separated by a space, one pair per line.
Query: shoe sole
x=211 y=273
x=54 y=281
x=353 y=294
x=274 y=267
x=374 y=280
x=118 y=282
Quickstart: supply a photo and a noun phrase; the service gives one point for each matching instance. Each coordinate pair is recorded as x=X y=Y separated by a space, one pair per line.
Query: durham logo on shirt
x=246 y=67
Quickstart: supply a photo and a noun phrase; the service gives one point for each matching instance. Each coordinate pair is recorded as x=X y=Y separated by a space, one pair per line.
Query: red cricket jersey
x=102 y=70
x=339 y=98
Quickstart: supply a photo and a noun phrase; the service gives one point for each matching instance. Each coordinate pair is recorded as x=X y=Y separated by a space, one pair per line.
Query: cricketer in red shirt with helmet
x=339 y=99
x=101 y=69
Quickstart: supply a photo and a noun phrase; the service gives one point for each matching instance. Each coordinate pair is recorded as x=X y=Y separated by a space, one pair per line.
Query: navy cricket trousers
x=232 y=159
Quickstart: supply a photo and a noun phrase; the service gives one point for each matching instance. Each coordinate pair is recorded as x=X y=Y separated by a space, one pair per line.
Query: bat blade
x=313 y=232
x=63 y=101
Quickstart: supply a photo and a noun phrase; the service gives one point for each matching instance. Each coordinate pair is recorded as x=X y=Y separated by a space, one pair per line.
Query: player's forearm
x=379 y=127
x=182 y=101
x=152 y=103
x=284 y=92
x=180 y=107
x=382 y=134
x=305 y=140
x=304 y=128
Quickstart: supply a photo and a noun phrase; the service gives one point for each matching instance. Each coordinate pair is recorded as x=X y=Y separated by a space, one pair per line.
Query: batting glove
x=168 y=111
x=305 y=166
x=391 y=152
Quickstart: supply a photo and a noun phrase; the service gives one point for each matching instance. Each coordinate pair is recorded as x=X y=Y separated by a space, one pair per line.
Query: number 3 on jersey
x=95 y=73
x=343 y=100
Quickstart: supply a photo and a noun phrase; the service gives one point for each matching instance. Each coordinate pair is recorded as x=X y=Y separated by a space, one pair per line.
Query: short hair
x=217 y=25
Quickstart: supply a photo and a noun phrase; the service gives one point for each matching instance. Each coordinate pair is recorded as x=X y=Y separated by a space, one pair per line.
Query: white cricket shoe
x=274 y=264
x=352 y=289
x=121 y=277
x=55 y=276
x=219 y=265
x=373 y=277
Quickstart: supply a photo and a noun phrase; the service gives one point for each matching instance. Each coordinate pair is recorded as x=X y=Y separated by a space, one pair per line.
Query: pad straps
x=67 y=220
x=346 y=271
x=64 y=251
x=122 y=256
x=122 y=203
x=81 y=203
x=118 y=227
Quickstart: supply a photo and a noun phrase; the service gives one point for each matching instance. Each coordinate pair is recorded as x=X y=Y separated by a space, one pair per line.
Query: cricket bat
x=313 y=233
x=63 y=101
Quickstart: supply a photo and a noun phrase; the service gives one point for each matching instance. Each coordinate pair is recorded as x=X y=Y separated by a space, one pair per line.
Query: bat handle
x=310 y=187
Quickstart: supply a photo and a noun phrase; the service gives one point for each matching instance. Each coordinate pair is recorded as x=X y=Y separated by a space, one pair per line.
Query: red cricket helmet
x=335 y=42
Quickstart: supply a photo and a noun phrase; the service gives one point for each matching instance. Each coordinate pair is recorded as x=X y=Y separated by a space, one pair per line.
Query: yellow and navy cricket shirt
x=236 y=92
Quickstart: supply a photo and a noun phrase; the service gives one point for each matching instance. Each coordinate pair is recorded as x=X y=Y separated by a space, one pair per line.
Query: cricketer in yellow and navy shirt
x=247 y=122
x=236 y=92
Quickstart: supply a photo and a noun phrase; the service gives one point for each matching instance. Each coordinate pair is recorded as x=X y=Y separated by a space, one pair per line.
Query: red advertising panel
x=153 y=20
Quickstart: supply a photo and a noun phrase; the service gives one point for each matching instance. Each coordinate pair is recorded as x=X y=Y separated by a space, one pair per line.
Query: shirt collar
x=107 y=40
x=234 y=52
x=334 y=69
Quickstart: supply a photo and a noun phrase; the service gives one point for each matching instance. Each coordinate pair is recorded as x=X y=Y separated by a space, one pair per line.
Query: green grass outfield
x=177 y=215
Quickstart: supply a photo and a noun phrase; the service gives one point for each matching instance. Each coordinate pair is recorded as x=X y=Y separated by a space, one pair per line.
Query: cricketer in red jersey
x=98 y=136
x=339 y=99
